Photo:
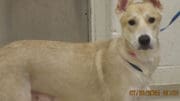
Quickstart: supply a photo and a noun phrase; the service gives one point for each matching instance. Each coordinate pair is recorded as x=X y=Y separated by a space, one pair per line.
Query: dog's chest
x=140 y=83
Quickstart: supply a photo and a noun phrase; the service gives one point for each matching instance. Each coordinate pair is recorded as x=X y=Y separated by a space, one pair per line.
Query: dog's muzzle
x=144 y=42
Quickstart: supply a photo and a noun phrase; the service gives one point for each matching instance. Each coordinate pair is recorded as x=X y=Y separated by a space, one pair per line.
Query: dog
x=99 y=71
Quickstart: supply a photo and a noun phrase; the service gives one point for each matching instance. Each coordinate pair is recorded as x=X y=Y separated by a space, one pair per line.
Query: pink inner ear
x=122 y=5
x=156 y=3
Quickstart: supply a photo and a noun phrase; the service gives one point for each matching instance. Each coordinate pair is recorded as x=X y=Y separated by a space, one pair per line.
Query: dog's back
x=50 y=66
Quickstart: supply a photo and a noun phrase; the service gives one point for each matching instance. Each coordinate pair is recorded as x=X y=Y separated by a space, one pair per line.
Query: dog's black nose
x=144 y=40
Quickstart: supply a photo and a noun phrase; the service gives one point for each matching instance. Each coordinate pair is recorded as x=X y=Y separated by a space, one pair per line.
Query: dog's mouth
x=149 y=47
x=140 y=47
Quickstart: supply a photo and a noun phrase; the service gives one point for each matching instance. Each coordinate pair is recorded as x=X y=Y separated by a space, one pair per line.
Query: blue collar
x=135 y=67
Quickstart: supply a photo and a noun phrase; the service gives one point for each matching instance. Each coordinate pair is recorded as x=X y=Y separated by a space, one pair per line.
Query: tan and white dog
x=101 y=71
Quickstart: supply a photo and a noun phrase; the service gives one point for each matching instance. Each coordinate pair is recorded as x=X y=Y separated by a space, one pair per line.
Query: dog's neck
x=145 y=60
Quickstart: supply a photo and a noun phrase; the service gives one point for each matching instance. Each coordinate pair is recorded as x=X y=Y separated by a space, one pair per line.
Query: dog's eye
x=132 y=22
x=151 y=20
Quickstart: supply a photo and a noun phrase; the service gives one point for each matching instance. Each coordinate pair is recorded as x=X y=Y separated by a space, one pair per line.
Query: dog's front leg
x=14 y=87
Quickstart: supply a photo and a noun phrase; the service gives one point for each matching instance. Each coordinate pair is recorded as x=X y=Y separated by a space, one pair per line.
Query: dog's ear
x=122 y=5
x=156 y=3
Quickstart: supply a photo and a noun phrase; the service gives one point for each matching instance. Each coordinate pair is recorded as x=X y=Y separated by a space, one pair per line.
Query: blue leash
x=176 y=16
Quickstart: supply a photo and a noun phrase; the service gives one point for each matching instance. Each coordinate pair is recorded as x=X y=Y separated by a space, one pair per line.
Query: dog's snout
x=144 y=40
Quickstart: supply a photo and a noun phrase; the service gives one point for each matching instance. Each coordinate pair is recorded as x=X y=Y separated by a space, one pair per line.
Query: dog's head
x=140 y=23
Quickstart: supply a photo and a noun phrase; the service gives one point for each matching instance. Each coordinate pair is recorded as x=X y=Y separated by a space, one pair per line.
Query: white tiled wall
x=170 y=39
